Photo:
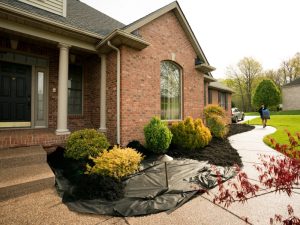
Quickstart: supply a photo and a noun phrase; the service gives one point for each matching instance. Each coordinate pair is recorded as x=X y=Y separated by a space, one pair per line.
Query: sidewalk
x=45 y=207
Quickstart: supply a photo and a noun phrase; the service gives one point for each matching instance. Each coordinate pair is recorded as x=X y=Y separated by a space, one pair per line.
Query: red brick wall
x=140 y=76
x=111 y=97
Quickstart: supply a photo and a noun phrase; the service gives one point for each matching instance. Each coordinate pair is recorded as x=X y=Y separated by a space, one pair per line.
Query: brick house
x=289 y=91
x=219 y=94
x=66 y=66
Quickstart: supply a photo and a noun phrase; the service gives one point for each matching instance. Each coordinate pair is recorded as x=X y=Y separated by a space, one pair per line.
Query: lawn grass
x=290 y=112
x=281 y=122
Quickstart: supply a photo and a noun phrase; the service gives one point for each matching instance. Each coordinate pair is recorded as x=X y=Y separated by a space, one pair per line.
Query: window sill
x=169 y=122
x=75 y=116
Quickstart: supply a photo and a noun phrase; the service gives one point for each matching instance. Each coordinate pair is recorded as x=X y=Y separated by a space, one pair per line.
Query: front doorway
x=15 y=95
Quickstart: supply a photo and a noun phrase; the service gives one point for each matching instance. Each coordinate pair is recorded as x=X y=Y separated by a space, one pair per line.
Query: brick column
x=103 y=95
x=62 y=109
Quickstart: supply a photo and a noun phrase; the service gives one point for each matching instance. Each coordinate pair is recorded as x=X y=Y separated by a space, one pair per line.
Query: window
x=170 y=91
x=75 y=90
x=223 y=100
x=209 y=96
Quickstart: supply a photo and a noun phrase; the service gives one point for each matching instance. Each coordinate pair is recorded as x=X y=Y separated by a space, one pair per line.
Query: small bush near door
x=85 y=143
x=190 y=134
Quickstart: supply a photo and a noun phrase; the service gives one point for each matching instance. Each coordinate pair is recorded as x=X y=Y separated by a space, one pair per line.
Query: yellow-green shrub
x=217 y=126
x=117 y=163
x=190 y=134
x=82 y=144
x=216 y=120
x=212 y=109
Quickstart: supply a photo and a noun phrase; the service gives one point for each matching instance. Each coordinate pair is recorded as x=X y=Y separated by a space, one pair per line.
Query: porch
x=45 y=137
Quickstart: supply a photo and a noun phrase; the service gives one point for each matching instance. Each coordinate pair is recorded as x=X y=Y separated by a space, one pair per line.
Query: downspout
x=118 y=88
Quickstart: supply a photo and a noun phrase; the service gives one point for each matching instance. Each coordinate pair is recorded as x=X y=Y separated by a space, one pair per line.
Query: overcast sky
x=227 y=30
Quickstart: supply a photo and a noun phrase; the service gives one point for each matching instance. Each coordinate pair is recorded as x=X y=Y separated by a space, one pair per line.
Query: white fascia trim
x=121 y=33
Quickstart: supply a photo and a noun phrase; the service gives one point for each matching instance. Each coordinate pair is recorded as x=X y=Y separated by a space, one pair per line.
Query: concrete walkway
x=45 y=207
x=247 y=118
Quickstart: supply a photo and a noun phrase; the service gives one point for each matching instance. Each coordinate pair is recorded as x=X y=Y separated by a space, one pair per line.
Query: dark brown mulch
x=239 y=128
x=219 y=151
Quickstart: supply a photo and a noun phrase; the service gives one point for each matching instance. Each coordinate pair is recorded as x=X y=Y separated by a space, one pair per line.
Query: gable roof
x=219 y=86
x=293 y=83
x=92 y=21
x=174 y=6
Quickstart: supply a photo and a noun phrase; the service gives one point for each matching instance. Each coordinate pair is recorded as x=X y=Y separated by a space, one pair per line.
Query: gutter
x=118 y=88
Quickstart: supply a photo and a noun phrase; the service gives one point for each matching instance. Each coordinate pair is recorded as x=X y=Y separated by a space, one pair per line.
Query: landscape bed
x=188 y=174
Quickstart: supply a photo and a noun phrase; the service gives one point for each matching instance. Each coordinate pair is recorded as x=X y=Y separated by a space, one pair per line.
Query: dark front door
x=15 y=92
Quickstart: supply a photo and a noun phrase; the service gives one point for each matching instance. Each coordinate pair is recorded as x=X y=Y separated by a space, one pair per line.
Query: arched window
x=170 y=91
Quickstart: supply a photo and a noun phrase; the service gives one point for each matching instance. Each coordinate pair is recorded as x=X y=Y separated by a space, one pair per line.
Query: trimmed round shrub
x=85 y=143
x=216 y=120
x=217 y=126
x=157 y=135
x=117 y=163
x=190 y=134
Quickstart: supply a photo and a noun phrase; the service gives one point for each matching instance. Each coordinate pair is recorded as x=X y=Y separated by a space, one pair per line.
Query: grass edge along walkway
x=281 y=123
x=289 y=112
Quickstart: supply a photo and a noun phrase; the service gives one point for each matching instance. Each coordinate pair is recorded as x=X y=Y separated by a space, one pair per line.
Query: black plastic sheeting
x=147 y=192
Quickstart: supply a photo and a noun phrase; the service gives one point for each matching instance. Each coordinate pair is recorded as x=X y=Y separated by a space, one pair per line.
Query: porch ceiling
x=36 y=30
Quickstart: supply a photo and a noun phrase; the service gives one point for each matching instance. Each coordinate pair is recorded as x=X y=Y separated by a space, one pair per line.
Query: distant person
x=264 y=115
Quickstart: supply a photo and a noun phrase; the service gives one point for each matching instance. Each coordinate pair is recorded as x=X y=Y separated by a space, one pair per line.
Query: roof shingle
x=220 y=86
x=79 y=15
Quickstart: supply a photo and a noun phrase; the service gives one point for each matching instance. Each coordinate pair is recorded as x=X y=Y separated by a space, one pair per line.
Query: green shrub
x=214 y=110
x=190 y=134
x=117 y=163
x=157 y=135
x=84 y=143
x=266 y=93
x=216 y=120
x=217 y=126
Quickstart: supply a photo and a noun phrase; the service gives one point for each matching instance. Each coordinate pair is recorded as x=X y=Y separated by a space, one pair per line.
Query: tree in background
x=290 y=69
x=248 y=73
x=243 y=79
x=250 y=69
x=267 y=93
x=275 y=77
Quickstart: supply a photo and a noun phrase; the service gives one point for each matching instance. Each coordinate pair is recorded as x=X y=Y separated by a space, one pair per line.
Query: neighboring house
x=66 y=66
x=220 y=94
x=290 y=95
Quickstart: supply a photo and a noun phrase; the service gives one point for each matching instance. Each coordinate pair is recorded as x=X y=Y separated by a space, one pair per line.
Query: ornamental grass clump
x=190 y=134
x=117 y=163
x=216 y=120
x=158 y=136
x=85 y=143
